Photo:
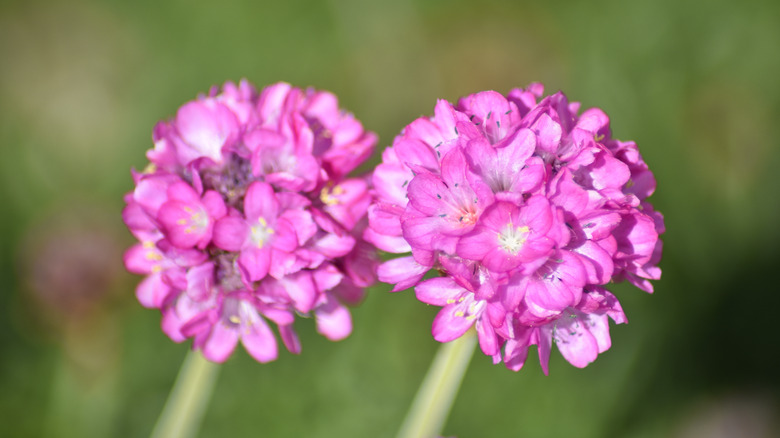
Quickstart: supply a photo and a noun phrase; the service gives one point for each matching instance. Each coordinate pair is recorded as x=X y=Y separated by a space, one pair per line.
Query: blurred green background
x=695 y=84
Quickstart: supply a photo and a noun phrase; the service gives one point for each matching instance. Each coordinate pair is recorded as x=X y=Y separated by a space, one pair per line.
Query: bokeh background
x=695 y=84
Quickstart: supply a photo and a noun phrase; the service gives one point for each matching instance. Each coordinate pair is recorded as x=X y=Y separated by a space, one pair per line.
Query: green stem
x=437 y=393
x=188 y=399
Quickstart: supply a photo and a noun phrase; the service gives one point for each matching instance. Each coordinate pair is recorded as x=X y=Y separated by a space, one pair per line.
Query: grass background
x=693 y=83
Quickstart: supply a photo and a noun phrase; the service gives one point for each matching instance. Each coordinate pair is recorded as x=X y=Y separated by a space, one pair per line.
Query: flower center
x=261 y=232
x=513 y=238
x=198 y=220
x=327 y=194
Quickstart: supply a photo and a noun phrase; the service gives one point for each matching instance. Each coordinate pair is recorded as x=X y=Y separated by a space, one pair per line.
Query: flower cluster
x=527 y=210
x=246 y=215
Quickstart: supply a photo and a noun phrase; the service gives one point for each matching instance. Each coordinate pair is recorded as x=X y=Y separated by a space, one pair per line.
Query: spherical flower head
x=246 y=216
x=526 y=209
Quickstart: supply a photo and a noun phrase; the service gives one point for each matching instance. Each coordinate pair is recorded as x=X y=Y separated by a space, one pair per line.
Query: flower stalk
x=183 y=411
x=437 y=393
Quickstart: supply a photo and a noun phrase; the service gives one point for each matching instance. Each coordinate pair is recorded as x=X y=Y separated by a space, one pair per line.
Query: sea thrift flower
x=525 y=209
x=246 y=217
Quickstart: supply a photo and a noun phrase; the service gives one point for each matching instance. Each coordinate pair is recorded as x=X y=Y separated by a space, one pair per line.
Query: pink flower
x=525 y=208
x=246 y=216
x=259 y=234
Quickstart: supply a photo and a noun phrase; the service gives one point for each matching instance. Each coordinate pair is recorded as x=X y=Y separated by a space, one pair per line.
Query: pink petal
x=255 y=261
x=548 y=134
x=230 y=233
x=290 y=339
x=450 y=324
x=200 y=280
x=214 y=205
x=574 y=341
x=258 y=340
x=415 y=152
x=260 y=201
x=333 y=246
x=152 y=291
x=220 y=344
x=181 y=228
x=404 y=272
x=205 y=126
x=477 y=244
x=438 y=291
x=488 y=341
x=142 y=258
x=597 y=262
x=301 y=290
x=333 y=320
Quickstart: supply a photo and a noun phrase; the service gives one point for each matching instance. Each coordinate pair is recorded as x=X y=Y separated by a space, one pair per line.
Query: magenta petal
x=454 y=168
x=137 y=219
x=404 y=272
x=152 y=291
x=488 y=341
x=214 y=205
x=597 y=262
x=477 y=244
x=544 y=346
x=495 y=217
x=598 y=325
x=426 y=193
x=152 y=192
x=575 y=342
x=181 y=223
x=415 y=152
x=255 y=261
x=333 y=320
x=258 y=340
x=391 y=244
x=498 y=260
x=536 y=214
x=171 y=325
x=450 y=324
x=200 y=280
x=390 y=183
x=284 y=238
x=333 y=246
x=260 y=201
x=230 y=233
x=302 y=223
x=290 y=339
x=438 y=291
x=548 y=134
x=327 y=277
x=385 y=219
x=421 y=232
x=593 y=120
x=516 y=349
x=515 y=355
x=220 y=344
x=300 y=288
x=517 y=148
x=142 y=258
x=205 y=126
x=547 y=298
